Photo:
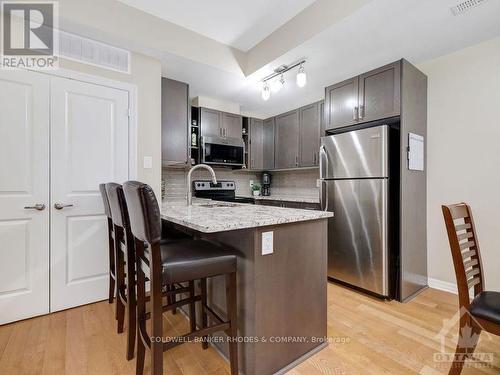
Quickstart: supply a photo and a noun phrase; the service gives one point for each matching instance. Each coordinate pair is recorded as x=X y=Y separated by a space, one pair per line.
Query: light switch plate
x=318 y=183
x=148 y=162
x=267 y=243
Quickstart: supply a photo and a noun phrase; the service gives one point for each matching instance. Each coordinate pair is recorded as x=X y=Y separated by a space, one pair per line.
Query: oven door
x=223 y=151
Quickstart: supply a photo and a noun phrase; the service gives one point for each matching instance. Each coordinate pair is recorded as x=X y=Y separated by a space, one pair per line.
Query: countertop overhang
x=208 y=216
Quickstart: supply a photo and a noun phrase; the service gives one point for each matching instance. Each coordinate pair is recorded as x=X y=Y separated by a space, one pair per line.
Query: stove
x=224 y=191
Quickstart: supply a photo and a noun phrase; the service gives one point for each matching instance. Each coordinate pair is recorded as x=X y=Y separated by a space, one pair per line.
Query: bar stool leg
x=131 y=302
x=141 y=311
x=204 y=319
x=192 y=308
x=232 y=332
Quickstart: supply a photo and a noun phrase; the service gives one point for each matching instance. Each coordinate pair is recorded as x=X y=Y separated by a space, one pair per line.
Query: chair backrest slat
x=464 y=249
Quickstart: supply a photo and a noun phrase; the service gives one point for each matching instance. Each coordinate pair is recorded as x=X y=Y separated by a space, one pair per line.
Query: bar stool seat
x=194 y=259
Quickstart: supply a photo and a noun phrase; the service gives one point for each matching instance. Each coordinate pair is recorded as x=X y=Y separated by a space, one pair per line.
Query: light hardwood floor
x=379 y=338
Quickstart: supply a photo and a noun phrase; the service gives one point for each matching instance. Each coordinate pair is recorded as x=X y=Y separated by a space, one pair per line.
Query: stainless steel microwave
x=223 y=151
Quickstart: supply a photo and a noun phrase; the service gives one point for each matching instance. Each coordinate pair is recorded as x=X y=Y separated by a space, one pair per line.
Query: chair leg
x=204 y=319
x=232 y=332
x=111 y=294
x=131 y=309
x=141 y=310
x=192 y=308
x=141 y=354
x=462 y=352
x=172 y=298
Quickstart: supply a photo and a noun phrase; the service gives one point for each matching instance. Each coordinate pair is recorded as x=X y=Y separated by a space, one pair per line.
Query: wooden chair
x=169 y=264
x=111 y=245
x=483 y=313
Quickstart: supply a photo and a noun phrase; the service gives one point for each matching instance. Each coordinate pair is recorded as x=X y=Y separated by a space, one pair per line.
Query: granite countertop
x=211 y=216
x=289 y=198
x=284 y=198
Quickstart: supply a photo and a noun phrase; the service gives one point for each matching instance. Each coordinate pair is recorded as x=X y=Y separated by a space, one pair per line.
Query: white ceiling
x=238 y=23
x=380 y=32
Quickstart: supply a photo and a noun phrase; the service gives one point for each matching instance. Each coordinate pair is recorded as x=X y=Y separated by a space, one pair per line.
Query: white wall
x=464 y=152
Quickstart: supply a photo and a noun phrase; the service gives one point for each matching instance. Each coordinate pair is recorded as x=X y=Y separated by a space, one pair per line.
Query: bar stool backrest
x=144 y=212
x=118 y=205
x=105 y=201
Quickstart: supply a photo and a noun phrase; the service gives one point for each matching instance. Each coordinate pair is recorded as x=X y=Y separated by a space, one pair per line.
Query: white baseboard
x=443 y=285
x=446 y=286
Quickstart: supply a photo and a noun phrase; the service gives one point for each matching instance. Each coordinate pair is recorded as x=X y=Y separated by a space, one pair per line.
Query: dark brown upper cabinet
x=369 y=97
x=310 y=125
x=380 y=93
x=211 y=122
x=286 y=140
x=256 y=144
x=268 y=146
x=220 y=124
x=232 y=125
x=175 y=113
x=341 y=104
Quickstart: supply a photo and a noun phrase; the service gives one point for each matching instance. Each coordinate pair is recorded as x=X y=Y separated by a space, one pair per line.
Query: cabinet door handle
x=361 y=112
x=296 y=161
x=355 y=113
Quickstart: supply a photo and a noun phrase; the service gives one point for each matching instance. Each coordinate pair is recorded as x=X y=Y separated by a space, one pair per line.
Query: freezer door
x=357 y=235
x=355 y=154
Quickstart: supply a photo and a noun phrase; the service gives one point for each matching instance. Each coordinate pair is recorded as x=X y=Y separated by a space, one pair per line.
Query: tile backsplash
x=298 y=183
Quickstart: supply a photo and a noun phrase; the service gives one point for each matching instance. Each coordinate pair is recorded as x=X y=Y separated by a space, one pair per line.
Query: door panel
x=268 y=147
x=309 y=135
x=341 y=101
x=287 y=140
x=379 y=93
x=232 y=124
x=357 y=241
x=24 y=182
x=359 y=153
x=211 y=122
x=256 y=144
x=89 y=146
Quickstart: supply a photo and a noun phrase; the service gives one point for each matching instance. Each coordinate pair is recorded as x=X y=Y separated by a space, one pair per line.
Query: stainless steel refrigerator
x=354 y=172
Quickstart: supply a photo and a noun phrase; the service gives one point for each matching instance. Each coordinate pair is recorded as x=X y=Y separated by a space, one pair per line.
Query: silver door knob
x=38 y=207
x=60 y=206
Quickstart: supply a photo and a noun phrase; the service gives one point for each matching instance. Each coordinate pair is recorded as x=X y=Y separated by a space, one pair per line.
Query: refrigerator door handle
x=322 y=156
x=323 y=202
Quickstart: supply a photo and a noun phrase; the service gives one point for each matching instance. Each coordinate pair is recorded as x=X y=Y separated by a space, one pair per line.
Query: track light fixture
x=277 y=84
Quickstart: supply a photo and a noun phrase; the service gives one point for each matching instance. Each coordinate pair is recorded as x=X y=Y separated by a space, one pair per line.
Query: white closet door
x=89 y=145
x=24 y=182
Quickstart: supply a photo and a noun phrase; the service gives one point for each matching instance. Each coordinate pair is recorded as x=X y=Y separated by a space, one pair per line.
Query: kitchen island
x=282 y=261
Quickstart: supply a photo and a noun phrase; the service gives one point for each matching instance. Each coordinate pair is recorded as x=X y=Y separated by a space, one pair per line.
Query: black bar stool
x=111 y=246
x=124 y=255
x=171 y=263
x=125 y=264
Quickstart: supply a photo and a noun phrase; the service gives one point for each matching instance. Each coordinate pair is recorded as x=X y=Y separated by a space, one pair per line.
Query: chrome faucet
x=190 y=185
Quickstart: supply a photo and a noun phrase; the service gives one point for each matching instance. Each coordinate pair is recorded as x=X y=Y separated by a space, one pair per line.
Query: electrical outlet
x=251 y=183
x=148 y=162
x=267 y=243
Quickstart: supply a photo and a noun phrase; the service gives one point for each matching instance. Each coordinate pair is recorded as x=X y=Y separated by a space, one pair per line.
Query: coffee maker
x=266 y=184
